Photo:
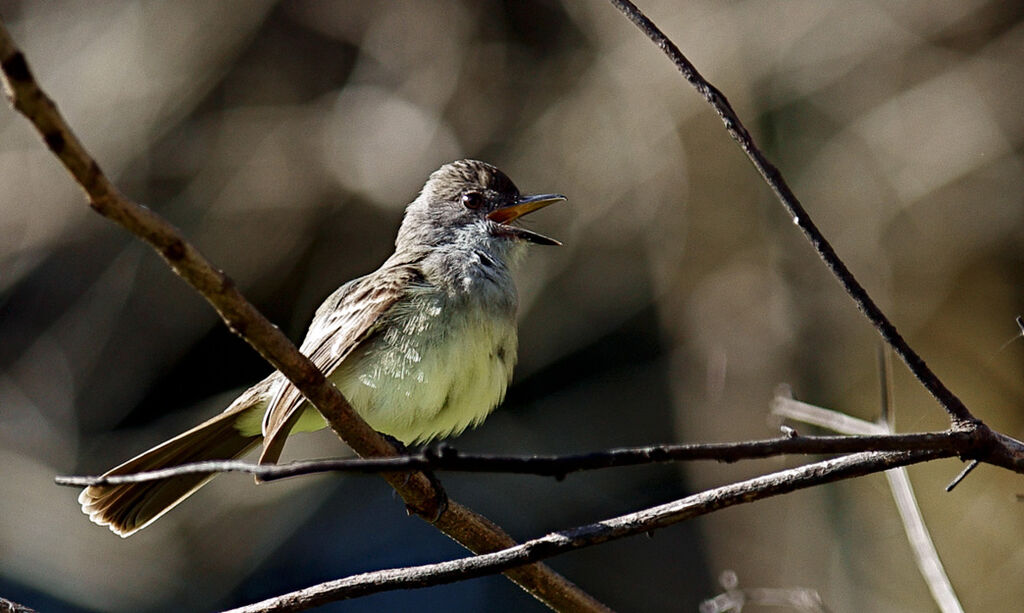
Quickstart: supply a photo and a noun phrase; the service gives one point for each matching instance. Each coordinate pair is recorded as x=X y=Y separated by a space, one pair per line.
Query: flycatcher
x=422 y=348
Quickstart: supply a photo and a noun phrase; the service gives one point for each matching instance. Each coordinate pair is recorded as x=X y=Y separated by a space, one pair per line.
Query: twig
x=961 y=417
x=6 y=606
x=556 y=543
x=886 y=388
x=784 y=405
x=448 y=459
x=987 y=445
x=734 y=598
x=963 y=475
x=473 y=531
x=928 y=561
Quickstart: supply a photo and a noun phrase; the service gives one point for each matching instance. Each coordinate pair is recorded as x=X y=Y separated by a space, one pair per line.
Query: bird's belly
x=423 y=380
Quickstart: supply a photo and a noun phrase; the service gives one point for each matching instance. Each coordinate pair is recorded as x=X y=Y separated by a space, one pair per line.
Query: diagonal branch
x=471 y=530
x=961 y=417
x=640 y=522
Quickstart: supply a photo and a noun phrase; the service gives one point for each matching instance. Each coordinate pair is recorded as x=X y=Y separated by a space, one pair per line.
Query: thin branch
x=473 y=531
x=961 y=417
x=928 y=561
x=987 y=445
x=786 y=406
x=734 y=598
x=640 y=522
x=449 y=459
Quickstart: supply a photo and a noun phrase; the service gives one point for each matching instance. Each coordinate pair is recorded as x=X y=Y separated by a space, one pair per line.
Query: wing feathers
x=346 y=319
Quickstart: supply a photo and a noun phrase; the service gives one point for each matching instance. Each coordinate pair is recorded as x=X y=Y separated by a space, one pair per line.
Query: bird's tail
x=129 y=507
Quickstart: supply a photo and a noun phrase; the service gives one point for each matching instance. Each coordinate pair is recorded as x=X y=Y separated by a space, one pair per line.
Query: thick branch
x=448 y=459
x=961 y=417
x=640 y=522
x=471 y=530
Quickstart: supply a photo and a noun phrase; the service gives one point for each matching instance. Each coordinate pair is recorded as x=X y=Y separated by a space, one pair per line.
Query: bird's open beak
x=524 y=206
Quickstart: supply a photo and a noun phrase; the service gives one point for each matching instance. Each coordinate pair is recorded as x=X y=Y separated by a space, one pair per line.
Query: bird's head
x=471 y=202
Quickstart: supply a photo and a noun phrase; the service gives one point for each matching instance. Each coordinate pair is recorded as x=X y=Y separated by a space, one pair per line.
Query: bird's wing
x=347 y=318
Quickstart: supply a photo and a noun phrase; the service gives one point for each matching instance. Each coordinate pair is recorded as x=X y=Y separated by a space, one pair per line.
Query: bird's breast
x=436 y=365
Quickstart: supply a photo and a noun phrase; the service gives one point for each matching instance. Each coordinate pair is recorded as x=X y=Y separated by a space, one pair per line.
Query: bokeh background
x=286 y=138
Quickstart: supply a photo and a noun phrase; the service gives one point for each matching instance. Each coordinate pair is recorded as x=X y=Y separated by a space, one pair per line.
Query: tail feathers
x=129 y=507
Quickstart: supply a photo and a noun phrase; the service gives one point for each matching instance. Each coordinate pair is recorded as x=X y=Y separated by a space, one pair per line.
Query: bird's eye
x=472 y=200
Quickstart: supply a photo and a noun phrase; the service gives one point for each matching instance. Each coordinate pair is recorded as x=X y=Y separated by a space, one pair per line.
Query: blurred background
x=285 y=139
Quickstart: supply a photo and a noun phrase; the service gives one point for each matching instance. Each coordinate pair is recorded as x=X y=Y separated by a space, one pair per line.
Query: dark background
x=285 y=139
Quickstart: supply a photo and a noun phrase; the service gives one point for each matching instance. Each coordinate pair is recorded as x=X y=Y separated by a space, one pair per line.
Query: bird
x=422 y=348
